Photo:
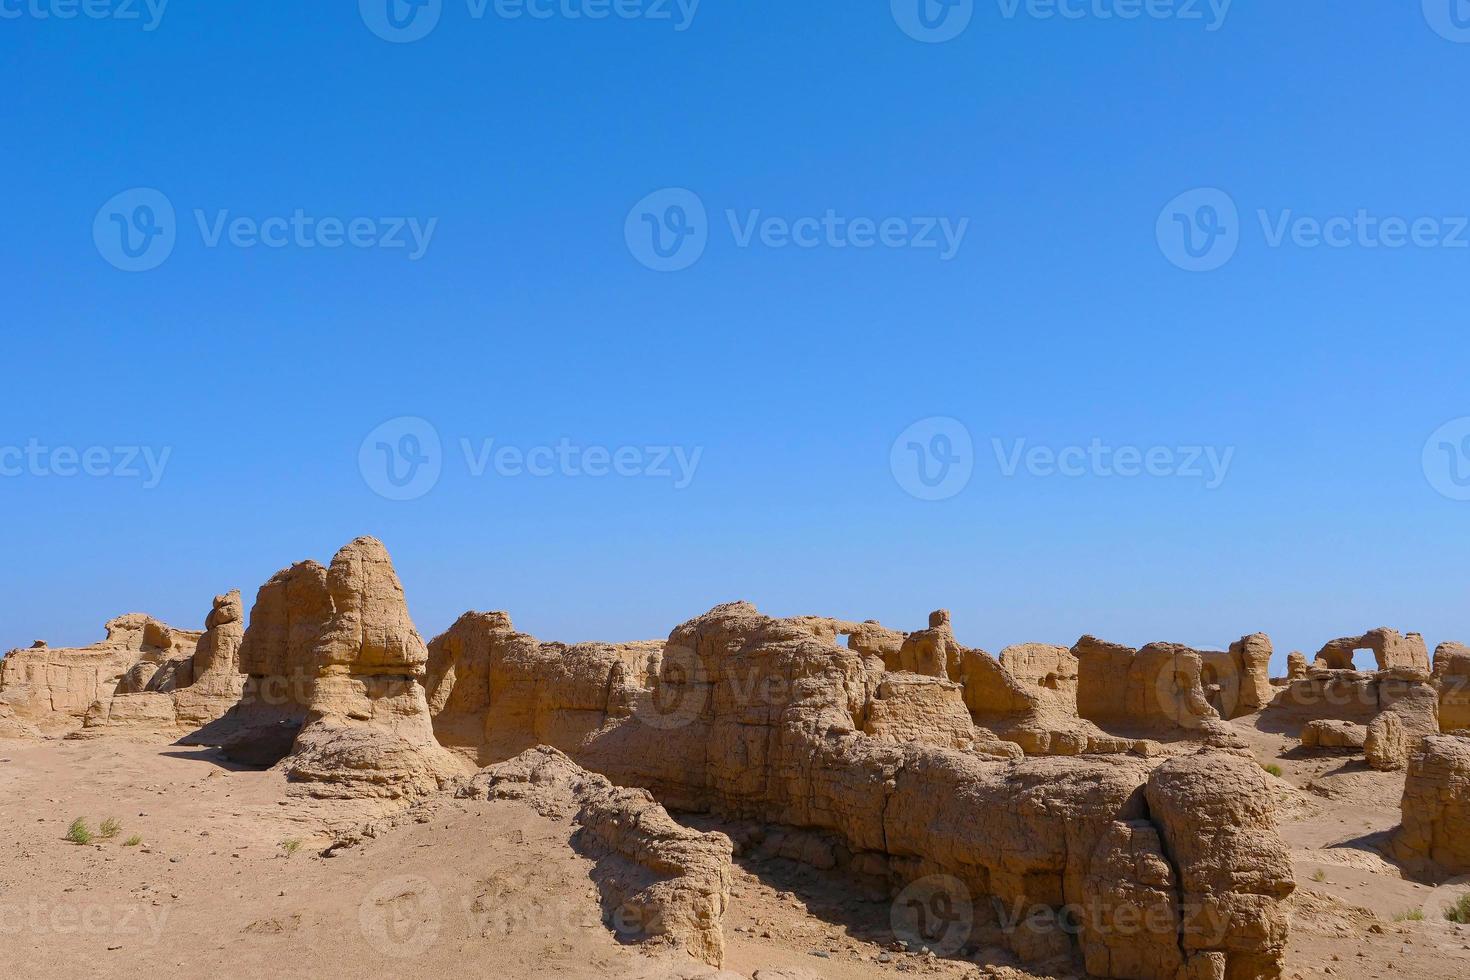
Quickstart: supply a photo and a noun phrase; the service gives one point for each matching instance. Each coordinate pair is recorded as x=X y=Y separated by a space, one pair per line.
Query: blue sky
x=529 y=152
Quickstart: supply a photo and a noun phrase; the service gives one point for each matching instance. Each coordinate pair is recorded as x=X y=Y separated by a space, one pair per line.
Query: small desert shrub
x=1412 y=915
x=1273 y=769
x=133 y=841
x=1319 y=875
x=1460 y=911
x=290 y=846
x=79 y=832
x=110 y=828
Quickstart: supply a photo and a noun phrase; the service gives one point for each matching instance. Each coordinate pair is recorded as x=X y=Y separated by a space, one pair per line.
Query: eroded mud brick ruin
x=1100 y=791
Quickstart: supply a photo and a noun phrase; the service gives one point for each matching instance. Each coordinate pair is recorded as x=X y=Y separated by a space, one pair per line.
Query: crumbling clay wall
x=1452 y=680
x=1432 y=842
x=660 y=882
x=53 y=688
x=755 y=718
x=1389 y=649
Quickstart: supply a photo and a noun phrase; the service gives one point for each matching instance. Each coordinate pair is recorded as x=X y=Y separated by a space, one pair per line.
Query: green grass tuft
x=133 y=841
x=110 y=828
x=79 y=832
x=1273 y=769
x=1460 y=911
x=290 y=846
x=1412 y=915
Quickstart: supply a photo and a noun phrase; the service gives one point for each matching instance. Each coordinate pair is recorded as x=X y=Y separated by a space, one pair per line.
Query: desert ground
x=496 y=889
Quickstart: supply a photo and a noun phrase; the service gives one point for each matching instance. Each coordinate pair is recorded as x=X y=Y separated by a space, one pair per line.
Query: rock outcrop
x=1452 y=679
x=1432 y=842
x=52 y=688
x=1411 y=714
x=660 y=882
x=1157 y=687
x=1215 y=812
x=767 y=720
x=1389 y=648
x=367 y=730
x=1325 y=734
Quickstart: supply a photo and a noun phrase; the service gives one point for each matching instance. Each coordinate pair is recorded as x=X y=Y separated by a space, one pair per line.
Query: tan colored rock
x=216 y=682
x=368 y=731
x=277 y=655
x=924 y=710
x=1452 y=680
x=1296 y=665
x=1397 y=730
x=13 y=727
x=1215 y=811
x=762 y=719
x=52 y=688
x=1431 y=842
x=1043 y=665
x=933 y=652
x=1251 y=663
x=1156 y=687
x=1328 y=734
x=1389 y=648
x=660 y=882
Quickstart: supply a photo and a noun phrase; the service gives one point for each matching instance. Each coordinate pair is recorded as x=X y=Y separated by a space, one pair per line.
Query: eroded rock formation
x=1431 y=842
x=1452 y=679
x=753 y=718
x=52 y=688
x=1389 y=648
x=660 y=882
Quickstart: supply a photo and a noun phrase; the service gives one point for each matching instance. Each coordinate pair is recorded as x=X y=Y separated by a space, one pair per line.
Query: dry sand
x=493 y=889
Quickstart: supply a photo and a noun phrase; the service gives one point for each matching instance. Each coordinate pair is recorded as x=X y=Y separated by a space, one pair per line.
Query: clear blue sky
x=528 y=319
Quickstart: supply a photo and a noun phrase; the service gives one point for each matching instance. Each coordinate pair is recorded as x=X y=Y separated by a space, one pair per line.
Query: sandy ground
x=228 y=879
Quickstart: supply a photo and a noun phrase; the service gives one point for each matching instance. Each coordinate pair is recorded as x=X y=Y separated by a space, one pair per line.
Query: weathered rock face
x=761 y=719
x=1432 y=842
x=1043 y=665
x=216 y=682
x=660 y=882
x=367 y=730
x=1235 y=871
x=277 y=656
x=1389 y=648
x=1411 y=714
x=1324 y=734
x=1296 y=665
x=13 y=727
x=53 y=688
x=1327 y=695
x=1250 y=666
x=1159 y=686
x=1452 y=680
x=929 y=711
